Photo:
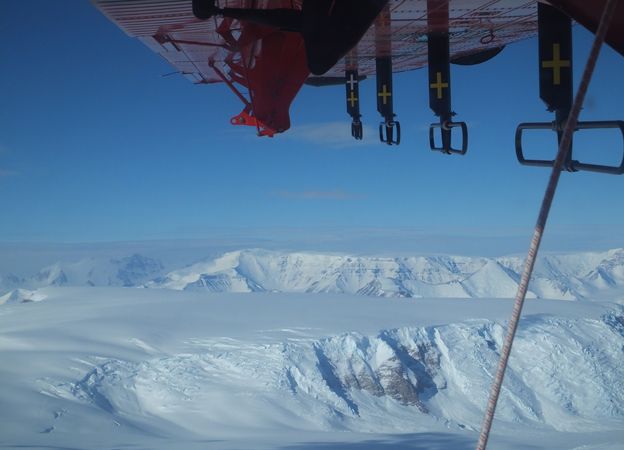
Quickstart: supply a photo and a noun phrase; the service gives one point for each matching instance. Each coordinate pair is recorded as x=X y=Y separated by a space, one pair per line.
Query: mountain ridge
x=567 y=277
x=572 y=276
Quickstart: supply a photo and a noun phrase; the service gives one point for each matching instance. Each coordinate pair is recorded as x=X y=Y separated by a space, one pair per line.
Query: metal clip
x=388 y=136
x=446 y=134
x=356 y=130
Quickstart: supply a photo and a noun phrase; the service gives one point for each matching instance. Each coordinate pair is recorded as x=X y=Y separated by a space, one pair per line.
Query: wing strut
x=555 y=78
x=246 y=117
x=440 y=80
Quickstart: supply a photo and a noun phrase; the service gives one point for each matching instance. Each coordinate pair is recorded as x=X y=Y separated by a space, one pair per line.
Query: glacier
x=112 y=367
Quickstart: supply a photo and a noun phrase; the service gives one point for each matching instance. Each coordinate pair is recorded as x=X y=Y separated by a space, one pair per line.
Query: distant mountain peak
x=581 y=276
x=568 y=277
x=21 y=296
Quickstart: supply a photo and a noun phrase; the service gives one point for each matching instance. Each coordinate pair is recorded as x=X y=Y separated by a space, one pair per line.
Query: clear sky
x=96 y=145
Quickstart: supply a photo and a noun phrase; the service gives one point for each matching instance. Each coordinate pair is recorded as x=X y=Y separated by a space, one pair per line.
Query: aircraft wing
x=169 y=28
x=272 y=63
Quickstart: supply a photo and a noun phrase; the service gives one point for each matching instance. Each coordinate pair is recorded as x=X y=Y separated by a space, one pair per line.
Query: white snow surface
x=127 y=271
x=22 y=296
x=149 y=368
x=586 y=276
x=579 y=276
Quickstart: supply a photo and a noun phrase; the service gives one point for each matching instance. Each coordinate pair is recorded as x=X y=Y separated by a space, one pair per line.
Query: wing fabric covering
x=475 y=25
x=271 y=64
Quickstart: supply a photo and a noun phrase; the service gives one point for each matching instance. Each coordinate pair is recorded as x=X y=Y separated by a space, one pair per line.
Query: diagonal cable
x=564 y=149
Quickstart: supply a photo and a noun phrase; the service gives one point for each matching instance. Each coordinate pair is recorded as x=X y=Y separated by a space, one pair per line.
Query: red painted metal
x=438 y=16
x=273 y=76
x=587 y=13
x=245 y=118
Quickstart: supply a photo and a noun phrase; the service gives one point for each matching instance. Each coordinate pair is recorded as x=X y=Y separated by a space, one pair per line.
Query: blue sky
x=96 y=145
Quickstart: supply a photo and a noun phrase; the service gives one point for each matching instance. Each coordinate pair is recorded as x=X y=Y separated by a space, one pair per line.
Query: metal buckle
x=356 y=130
x=389 y=136
x=445 y=131
x=571 y=165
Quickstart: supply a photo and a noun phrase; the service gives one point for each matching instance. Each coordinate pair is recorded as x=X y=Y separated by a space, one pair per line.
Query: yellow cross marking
x=438 y=84
x=556 y=64
x=352 y=99
x=384 y=94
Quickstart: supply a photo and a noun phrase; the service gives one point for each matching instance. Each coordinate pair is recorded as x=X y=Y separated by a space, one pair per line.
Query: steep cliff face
x=565 y=374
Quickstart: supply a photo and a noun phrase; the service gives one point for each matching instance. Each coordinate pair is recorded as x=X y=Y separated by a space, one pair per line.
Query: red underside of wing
x=588 y=13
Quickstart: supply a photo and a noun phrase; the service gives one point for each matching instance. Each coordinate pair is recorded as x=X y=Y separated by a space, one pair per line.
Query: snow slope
x=114 y=368
x=568 y=277
x=582 y=276
x=21 y=296
x=127 y=271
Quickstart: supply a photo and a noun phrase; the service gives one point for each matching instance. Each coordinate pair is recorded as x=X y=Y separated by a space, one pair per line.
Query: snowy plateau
x=258 y=349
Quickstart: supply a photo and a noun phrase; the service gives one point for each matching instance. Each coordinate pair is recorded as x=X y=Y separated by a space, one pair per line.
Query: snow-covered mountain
x=569 y=277
x=10 y=281
x=128 y=271
x=380 y=383
x=21 y=296
x=148 y=368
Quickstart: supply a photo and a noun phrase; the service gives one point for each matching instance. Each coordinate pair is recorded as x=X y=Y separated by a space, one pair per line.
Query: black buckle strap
x=352 y=84
x=440 y=96
x=389 y=129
